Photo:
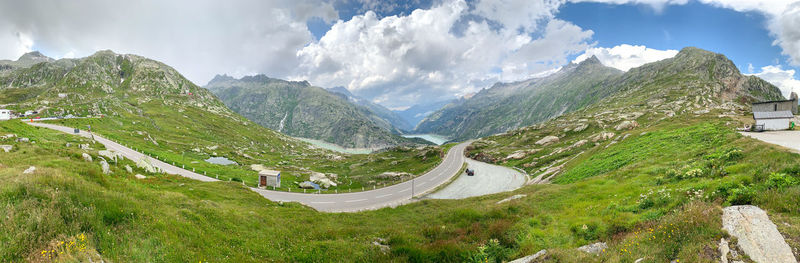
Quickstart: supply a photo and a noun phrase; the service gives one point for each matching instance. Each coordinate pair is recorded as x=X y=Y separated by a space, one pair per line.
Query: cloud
x=199 y=38
x=625 y=57
x=783 y=18
x=783 y=79
x=449 y=49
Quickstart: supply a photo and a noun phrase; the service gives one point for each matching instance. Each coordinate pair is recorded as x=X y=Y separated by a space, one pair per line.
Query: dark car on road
x=470 y=172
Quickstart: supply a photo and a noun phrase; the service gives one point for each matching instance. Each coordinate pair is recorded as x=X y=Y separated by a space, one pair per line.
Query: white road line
x=406 y=190
x=353 y=201
x=322 y=202
x=382 y=196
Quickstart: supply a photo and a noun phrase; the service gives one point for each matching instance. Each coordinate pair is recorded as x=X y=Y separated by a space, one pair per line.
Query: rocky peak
x=220 y=79
x=34 y=56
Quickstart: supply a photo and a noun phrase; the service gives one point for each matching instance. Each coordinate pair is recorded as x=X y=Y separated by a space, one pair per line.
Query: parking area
x=788 y=139
x=488 y=179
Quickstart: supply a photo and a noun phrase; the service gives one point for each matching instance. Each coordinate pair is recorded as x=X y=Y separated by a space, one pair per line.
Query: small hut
x=269 y=178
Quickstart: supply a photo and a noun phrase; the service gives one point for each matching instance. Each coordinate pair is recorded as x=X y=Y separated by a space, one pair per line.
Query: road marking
x=382 y=196
x=322 y=202
x=357 y=200
x=406 y=190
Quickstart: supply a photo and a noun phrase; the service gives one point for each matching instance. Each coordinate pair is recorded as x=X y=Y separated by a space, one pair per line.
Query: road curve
x=346 y=202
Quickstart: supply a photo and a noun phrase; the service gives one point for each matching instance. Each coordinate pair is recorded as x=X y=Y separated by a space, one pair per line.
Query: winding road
x=346 y=202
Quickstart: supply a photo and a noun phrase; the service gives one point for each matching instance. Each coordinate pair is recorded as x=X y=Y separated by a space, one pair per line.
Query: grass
x=165 y=218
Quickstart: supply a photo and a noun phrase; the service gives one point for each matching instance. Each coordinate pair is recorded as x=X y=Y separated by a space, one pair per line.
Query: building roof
x=772 y=101
x=773 y=114
x=269 y=172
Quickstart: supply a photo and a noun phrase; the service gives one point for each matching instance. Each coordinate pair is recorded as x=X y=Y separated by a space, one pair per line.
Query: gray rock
x=23 y=139
x=639 y=260
x=83 y=146
x=30 y=170
x=530 y=258
x=723 y=250
x=104 y=166
x=513 y=197
x=757 y=236
x=145 y=164
x=306 y=185
x=86 y=157
x=581 y=127
x=627 y=125
x=547 y=140
x=6 y=148
x=595 y=248
x=111 y=155
x=139 y=176
x=129 y=169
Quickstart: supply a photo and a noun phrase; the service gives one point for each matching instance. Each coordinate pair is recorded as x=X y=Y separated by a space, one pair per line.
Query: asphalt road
x=346 y=202
x=788 y=139
x=488 y=179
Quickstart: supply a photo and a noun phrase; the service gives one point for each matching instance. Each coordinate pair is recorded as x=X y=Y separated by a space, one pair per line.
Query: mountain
x=507 y=106
x=25 y=61
x=383 y=114
x=301 y=110
x=416 y=113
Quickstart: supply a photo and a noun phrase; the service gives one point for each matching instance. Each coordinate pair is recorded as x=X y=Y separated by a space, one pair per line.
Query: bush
x=781 y=180
x=741 y=196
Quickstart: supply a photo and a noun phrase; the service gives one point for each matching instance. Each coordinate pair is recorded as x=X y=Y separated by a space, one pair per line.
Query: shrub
x=693 y=173
x=741 y=196
x=781 y=180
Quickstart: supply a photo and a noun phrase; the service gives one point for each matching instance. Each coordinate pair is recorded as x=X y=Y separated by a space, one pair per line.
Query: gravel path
x=488 y=179
x=788 y=139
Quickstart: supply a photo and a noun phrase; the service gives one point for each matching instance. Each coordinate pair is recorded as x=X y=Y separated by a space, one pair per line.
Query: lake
x=220 y=161
x=334 y=147
x=434 y=138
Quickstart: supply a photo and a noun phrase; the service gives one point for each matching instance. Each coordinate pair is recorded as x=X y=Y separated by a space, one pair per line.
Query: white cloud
x=625 y=57
x=401 y=60
x=783 y=79
x=657 y=5
x=198 y=38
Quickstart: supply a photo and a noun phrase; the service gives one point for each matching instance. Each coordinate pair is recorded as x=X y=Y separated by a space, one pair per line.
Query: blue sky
x=402 y=53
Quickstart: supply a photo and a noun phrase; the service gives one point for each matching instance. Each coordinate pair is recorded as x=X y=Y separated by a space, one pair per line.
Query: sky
x=402 y=53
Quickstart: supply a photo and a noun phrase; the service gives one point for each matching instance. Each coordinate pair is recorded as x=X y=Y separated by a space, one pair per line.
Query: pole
x=412 y=188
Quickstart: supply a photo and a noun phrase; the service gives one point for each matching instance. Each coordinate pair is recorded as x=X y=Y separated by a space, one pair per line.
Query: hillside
x=301 y=110
x=152 y=107
x=379 y=114
x=416 y=113
x=651 y=189
x=507 y=106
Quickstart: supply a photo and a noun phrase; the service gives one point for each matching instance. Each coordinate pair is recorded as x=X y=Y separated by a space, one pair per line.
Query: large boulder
x=627 y=125
x=595 y=248
x=393 y=175
x=602 y=136
x=111 y=155
x=145 y=164
x=530 y=258
x=86 y=157
x=6 y=148
x=547 y=140
x=30 y=170
x=757 y=236
x=322 y=180
x=105 y=167
x=517 y=155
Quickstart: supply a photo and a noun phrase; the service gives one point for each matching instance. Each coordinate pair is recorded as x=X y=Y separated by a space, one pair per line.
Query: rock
x=602 y=136
x=6 y=148
x=393 y=175
x=578 y=144
x=104 y=166
x=139 y=176
x=379 y=242
x=757 y=236
x=639 y=260
x=86 y=157
x=8 y=136
x=723 y=250
x=627 y=125
x=213 y=147
x=68 y=145
x=306 y=185
x=513 y=197
x=23 y=139
x=322 y=180
x=30 y=170
x=547 y=140
x=581 y=127
x=595 y=248
x=531 y=258
x=111 y=155
x=83 y=146
x=517 y=155
x=128 y=169
x=145 y=164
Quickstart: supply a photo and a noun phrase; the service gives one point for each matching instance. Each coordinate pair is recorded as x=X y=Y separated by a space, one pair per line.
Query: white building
x=5 y=114
x=269 y=178
x=773 y=120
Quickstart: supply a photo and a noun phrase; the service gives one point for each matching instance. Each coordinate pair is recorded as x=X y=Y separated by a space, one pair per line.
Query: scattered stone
x=517 y=155
x=83 y=146
x=306 y=185
x=602 y=136
x=578 y=144
x=213 y=147
x=723 y=249
x=757 y=236
x=145 y=164
x=30 y=170
x=111 y=155
x=139 y=176
x=86 y=157
x=6 y=148
x=68 y=145
x=513 y=197
x=581 y=127
x=627 y=125
x=129 y=169
x=380 y=243
x=595 y=248
x=531 y=258
x=639 y=260
x=322 y=180
x=393 y=175
x=104 y=166
x=547 y=140
x=23 y=139
x=8 y=136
